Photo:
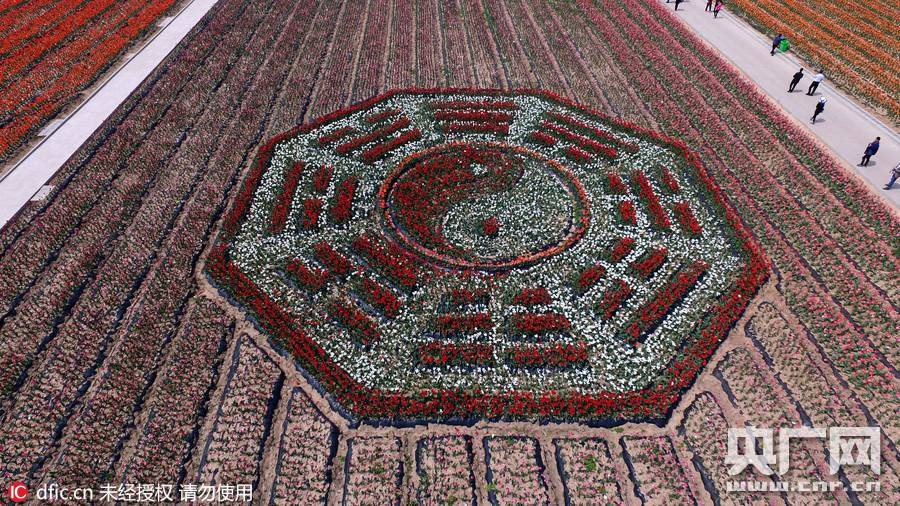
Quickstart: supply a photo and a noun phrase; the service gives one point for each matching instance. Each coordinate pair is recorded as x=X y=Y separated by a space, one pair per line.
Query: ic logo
x=18 y=492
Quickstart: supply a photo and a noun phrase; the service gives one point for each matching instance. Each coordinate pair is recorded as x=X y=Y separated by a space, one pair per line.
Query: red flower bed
x=685 y=216
x=490 y=227
x=360 y=325
x=342 y=209
x=627 y=212
x=486 y=127
x=592 y=131
x=650 y=262
x=313 y=281
x=380 y=133
x=532 y=297
x=651 y=313
x=563 y=356
x=577 y=154
x=335 y=136
x=588 y=278
x=669 y=180
x=387 y=260
x=286 y=198
x=383 y=115
x=381 y=298
x=455 y=324
x=580 y=142
x=383 y=149
x=531 y=324
x=321 y=178
x=621 y=249
x=459 y=297
x=312 y=208
x=477 y=116
x=613 y=299
x=615 y=184
x=658 y=217
x=474 y=104
x=466 y=355
x=541 y=138
x=336 y=263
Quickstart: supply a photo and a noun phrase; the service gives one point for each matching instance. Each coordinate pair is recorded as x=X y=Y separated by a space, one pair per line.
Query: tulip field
x=854 y=42
x=53 y=50
x=445 y=252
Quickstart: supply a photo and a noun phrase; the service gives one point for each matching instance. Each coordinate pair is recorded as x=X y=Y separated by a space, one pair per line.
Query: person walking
x=895 y=175
x=820 y=107
x=719 y=5
x=676 y=3
x=795 y=80
x=709 y=6
x=818 y=78
x=775 y=43
x=870 y=151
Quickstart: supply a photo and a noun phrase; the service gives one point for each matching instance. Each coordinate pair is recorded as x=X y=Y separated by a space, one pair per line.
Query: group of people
x=709 y=6
x=714 y=9
x=781 y=43
x=870 y=151
x=813 y=86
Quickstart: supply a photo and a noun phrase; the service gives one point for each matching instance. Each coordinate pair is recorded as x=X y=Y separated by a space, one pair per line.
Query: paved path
x=25 y=178
x=844 y=126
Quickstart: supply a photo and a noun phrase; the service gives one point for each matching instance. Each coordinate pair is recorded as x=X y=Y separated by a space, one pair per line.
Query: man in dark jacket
x=870 y=151
x=796 y=80
x=776 y=43
x=820 y=107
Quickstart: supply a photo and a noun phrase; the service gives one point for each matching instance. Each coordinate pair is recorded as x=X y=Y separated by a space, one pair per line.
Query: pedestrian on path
x=709 y=6
x=795 y=81
x=676 y=3
x=895 y=175
x=719 y=5
x=775 y=43
x=870 y=151
x=820 y=106
x=818 y=78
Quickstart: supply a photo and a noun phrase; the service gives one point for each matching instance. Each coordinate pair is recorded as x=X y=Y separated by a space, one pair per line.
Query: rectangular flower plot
x=306 y=451
x=657 y=471
x=444 y=467
x=515 y=471
x=231 y=451
x=425 y=267
x=373 y=471
x=588 y=473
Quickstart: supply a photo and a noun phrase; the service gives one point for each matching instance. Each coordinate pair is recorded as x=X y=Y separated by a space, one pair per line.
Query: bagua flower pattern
x=557 y=220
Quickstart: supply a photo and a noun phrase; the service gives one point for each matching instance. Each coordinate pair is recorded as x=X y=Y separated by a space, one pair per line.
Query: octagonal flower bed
x=461 y=254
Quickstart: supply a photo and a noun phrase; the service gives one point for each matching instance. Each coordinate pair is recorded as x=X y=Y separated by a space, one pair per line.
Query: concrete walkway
x=845 y=127
x=26 y=178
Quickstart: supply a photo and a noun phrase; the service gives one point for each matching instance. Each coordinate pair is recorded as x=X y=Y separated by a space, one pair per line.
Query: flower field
x=853 y=41
x=667 y=256
x=416 y=273
x=51 y=51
